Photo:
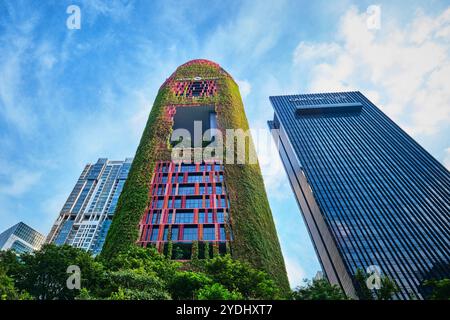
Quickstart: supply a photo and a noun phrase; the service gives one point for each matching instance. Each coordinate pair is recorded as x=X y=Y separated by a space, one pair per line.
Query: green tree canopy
x=318 y=290
x=388 y=287
x=440 y=289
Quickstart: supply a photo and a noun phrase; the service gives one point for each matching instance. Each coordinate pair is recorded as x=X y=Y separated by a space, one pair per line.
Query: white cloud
x=18 y=182
x=244 y=87
x=307 y=51
x=275 y=178
x=296 y=274
x=405 y=68
x=248 y=35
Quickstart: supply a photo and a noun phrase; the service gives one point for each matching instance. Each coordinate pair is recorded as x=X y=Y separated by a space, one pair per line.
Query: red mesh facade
x=188 y=203
x=194 y=88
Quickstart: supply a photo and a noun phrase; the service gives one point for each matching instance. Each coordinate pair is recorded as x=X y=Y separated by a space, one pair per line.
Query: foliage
x=136 y=257
x=318 y=290
x=169 y=250
x=435 y=281
x=185 y=284
x=45 y=272
x=239 y=276
x=137 y=285
x=135 y=274
x=194 y=255
x=8 y=291
x=440 y=289
x=388 y=287
x=206 y=250
x=215 y=247
x=217 y=291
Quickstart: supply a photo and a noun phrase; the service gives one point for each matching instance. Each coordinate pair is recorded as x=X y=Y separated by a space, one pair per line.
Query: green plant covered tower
x=210 y=205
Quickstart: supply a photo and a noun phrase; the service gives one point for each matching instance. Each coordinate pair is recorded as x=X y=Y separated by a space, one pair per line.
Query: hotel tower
x=182 y=195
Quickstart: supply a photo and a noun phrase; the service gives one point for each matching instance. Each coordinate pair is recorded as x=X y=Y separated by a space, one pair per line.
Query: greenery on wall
x=254 y=235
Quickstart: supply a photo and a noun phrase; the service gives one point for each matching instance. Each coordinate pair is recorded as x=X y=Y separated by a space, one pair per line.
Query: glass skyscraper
x=21 y=238
x=369 y=194
x=86 y=216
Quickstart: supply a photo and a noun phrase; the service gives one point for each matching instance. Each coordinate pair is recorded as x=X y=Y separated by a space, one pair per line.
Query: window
x=186 y=190
x=188 y=168
x=194 y=203
x=158 y=204
x=155 y=217
x=201 y=217
x=194 y=178
x=190 y=233
x=207 y=202
x=166 y=232
x=174 y=233
x=201 y=88
x=209 y=233
x=179 y=178
x=184 y=217
x=222 y=233
x=177 y=203
x=154 y=235
x=222 y=203
x=161 y=190
x=220 y=217
x=208 y=190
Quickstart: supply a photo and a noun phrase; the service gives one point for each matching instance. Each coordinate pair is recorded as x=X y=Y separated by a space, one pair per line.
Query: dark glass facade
x=369 y=194
x=21 y=238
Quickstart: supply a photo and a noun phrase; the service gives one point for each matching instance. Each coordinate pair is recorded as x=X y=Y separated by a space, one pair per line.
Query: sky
x=70 y=96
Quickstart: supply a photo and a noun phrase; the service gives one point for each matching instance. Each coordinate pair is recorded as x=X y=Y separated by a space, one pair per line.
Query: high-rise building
x=200 y=205
x=86 y=216
x=21 y=238
x=370 y=195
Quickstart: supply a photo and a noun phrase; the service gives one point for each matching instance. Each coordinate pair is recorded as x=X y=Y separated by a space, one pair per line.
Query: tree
x=137 y=285
x=318 y=290
x=440 y=289
x=388 y=287
x=217 y=291
x=185 y=284
x=136 y=273
x=44 y=273
x=10 y=262
x=8 y=291
x=239 y=276
x=147 y=259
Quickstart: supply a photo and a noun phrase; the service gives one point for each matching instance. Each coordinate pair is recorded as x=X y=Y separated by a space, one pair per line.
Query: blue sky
x=68 y=97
